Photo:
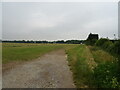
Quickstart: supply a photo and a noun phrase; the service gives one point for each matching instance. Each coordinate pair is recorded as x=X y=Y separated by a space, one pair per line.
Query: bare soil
x=48 y=71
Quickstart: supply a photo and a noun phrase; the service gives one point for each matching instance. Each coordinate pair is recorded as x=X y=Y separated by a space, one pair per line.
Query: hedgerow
x=108 y=74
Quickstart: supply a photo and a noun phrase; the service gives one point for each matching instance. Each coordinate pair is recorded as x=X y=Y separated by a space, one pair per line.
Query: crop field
x=23 y=52
x=91 y=66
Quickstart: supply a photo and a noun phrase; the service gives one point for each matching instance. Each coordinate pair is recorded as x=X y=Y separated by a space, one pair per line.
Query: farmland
x=23 y=52
x=87 y=63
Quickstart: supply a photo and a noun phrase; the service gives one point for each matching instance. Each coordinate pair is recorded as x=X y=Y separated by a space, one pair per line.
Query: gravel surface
x=48 y=71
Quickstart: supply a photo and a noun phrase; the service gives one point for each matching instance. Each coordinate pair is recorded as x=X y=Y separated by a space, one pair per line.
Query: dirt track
x=48 y=71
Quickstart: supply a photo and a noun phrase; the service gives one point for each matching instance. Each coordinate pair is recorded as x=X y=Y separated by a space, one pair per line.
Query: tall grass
x=93 y=67
x=106 y=72
x=78 y=58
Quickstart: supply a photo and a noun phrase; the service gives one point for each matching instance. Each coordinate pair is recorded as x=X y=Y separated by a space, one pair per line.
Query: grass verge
x=81 y=63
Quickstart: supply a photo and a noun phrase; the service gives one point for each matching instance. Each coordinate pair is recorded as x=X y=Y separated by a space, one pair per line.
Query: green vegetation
x=81 y=63
x=107 y=55
x=112 y=77
x=23 y=52
x=109 y=46
x=106 y=72
x=26 y=51
x=106 y=75
x=91 y=65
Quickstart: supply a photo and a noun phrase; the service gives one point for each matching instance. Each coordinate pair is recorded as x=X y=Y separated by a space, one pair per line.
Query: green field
x=23 y=51
x=91 y=66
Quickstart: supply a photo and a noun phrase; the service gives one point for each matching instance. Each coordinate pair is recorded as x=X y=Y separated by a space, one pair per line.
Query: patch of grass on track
x=80 y=61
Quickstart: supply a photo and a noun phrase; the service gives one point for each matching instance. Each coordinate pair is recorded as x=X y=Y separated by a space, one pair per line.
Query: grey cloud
x=53 y=21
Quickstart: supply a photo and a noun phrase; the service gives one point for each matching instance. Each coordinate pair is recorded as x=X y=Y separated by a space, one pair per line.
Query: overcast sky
x=58 y=20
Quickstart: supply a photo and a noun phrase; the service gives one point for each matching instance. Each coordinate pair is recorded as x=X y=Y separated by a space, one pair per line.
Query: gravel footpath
x=48 y=71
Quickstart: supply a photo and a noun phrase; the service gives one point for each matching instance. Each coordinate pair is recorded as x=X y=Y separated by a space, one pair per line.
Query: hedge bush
x=101 y=42
x=113 y=78
x=106 y=44
x=106 y=75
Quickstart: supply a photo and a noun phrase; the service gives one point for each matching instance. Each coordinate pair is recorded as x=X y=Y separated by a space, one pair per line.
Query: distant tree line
x=32 y=41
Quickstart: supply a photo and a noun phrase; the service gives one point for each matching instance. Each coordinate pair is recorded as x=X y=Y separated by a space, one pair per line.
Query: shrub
x=108 y=74
x=108 y=45
x=101 y=41
x=105 y=75
x=91 y=42
x=116 y=48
